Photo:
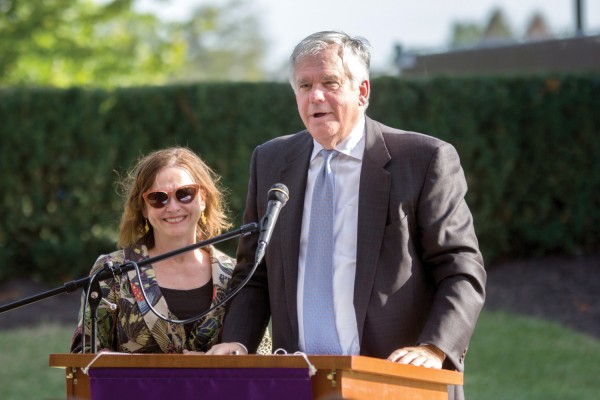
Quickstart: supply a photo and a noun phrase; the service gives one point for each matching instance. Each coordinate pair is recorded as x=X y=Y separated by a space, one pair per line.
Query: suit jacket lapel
x=375 y=183
x=293 y=175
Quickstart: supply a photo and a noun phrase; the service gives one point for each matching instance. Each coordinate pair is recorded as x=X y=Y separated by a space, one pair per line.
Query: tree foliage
x=106 y=43
x=224 y=43
x=465 y=34
x=82 y=42
x=496 y=30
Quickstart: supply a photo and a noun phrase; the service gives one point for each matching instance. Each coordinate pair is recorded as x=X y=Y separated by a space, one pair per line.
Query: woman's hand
x=192 y=352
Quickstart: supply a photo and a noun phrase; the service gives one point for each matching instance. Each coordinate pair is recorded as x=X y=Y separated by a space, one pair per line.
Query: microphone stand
x=110 y=270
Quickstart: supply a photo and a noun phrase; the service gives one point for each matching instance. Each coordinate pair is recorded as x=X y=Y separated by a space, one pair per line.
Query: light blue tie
x=320 y=333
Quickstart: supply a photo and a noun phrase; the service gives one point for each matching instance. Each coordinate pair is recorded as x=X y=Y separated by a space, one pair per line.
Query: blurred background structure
x=495 y=49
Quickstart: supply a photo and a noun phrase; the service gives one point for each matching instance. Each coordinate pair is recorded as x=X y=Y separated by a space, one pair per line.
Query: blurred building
x=576 y=54
x=497 y=52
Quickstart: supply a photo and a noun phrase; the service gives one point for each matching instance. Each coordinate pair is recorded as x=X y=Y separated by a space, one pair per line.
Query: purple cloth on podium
x=198 y=383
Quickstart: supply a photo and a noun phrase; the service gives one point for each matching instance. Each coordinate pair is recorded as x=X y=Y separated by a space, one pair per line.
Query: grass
x=516 y=357
x=510 y=357
x=24 y=353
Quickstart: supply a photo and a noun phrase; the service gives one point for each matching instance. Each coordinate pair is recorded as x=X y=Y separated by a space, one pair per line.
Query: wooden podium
x=337 y=377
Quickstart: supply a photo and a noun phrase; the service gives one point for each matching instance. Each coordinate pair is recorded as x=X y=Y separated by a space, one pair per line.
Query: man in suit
x=407 y=274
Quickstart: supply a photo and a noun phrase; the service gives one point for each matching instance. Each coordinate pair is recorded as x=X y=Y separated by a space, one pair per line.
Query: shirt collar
x=352 y=146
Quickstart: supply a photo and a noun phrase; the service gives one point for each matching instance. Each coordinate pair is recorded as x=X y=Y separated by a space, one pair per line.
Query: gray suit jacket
x=419 y=272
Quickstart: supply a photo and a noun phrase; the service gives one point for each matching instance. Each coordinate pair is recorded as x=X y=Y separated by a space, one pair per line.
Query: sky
x=414 y=24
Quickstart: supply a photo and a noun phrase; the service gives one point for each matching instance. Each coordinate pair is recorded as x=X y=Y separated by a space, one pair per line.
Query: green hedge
x=530 y=147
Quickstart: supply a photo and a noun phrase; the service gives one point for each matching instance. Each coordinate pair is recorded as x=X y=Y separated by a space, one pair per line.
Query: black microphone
x=278 y=196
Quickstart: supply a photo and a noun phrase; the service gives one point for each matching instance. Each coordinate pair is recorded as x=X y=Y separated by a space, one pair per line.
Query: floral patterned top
x=132 y=327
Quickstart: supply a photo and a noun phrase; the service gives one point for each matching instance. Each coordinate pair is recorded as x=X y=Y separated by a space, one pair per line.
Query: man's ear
x=364 y=90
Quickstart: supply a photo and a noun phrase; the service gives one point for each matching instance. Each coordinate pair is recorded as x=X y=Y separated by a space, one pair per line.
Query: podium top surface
x=354 y=363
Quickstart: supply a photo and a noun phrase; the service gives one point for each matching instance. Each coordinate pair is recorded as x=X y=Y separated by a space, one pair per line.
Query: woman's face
x=176 y=221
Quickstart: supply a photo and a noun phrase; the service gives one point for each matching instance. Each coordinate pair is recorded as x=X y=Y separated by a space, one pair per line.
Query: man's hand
x=224 y=349
x=425 y=356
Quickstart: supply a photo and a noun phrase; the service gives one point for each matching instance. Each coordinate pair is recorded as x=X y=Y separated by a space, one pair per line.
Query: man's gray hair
x=354 y=52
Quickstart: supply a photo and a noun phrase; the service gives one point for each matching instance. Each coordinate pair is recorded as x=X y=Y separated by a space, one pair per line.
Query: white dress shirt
x=346 y=167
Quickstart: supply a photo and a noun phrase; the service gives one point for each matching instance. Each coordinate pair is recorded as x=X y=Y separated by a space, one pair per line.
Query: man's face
x=328 y=102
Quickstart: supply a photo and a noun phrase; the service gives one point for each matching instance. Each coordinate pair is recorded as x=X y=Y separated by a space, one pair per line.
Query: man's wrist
x=435 y=350
x=242 y=346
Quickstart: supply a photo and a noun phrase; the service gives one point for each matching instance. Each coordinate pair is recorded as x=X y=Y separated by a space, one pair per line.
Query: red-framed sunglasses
x=184 y=194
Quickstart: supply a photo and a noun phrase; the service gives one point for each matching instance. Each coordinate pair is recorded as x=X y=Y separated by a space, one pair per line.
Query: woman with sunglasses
x=172 y=201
